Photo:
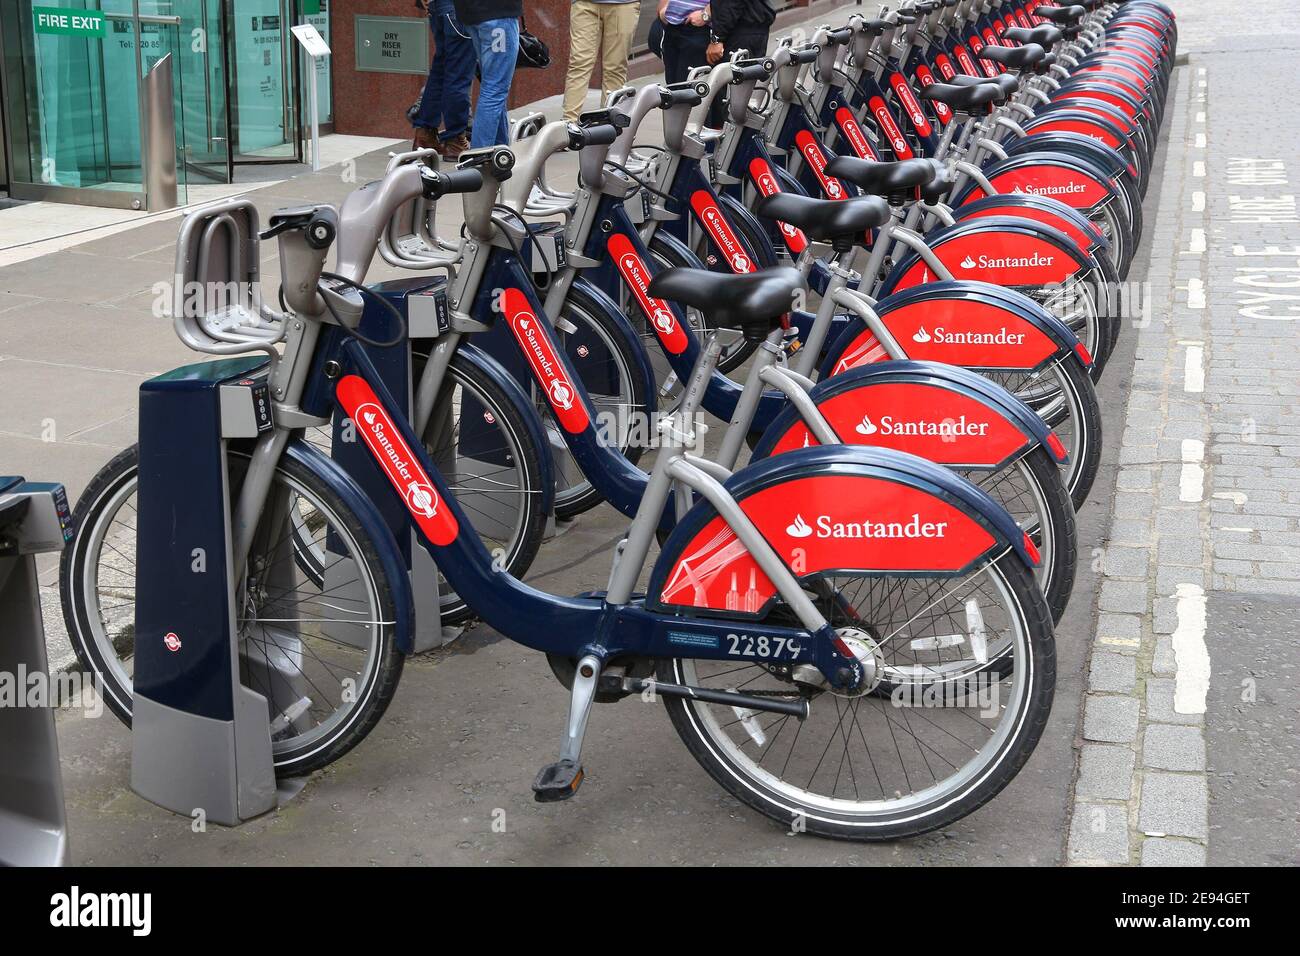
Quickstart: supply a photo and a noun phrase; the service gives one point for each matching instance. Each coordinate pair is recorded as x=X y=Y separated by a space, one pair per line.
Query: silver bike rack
x=33 y=829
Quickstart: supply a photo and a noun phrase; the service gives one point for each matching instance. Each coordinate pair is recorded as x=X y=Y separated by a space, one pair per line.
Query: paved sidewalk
x=1189 y=743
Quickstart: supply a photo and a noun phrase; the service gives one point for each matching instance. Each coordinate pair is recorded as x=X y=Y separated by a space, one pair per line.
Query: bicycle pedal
x=557 y=781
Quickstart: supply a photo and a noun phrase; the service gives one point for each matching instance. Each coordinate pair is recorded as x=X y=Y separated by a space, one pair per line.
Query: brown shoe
x=452 y=148
x=426 y=139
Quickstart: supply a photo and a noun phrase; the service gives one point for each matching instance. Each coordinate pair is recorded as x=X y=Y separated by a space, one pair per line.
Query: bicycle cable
x=528 y=238
x=639 y=181
x=373 y=296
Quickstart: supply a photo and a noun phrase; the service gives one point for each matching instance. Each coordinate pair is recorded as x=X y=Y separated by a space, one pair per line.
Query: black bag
x=532 y=51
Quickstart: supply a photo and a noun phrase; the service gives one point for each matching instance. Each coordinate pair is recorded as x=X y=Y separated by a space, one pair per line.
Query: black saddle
x=1014 y=57
x=897 y=182
x=966 y=99
x=1044 y=35
x=825 y=219
x=754 y=304
x=1064 y=15
x=1007 y=82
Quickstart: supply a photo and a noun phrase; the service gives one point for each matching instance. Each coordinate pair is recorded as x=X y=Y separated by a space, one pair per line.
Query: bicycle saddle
x=1007 y=82
x=1044 y=35
x=1014 y=57
x=896 y=181
x=1071 y=14
x=754 y=303
x=968 y=99
x=826 y=219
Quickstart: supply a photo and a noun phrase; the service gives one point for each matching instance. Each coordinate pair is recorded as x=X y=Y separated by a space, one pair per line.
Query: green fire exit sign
x=66 y=22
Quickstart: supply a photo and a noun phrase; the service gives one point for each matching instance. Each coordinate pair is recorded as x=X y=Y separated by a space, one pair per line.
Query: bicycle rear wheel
x=922 y=750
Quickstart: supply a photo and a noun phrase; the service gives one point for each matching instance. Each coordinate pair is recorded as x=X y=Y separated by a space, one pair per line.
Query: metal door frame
x=292 y=113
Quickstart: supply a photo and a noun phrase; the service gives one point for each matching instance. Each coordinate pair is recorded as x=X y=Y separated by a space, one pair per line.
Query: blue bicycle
x=798 y=622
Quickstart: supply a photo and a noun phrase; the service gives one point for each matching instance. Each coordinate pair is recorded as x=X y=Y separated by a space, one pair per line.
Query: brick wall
x=374 y=104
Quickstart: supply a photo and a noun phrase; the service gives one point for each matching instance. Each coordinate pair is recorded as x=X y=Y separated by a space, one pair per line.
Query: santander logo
x=853 y=133
x=812 y=152
x=546 y=367
x=943 y=336
x=396 y=460
x=866 y=426
x=1051 y=189
x=415 y=487
x=706 y=210
x=925 y=77
x=798 y=528
x=1007 y=262
x=767 y=185
x=889 y=128
x=910 y=104
x=637 y=277
x=949 y=428
x=826 y=527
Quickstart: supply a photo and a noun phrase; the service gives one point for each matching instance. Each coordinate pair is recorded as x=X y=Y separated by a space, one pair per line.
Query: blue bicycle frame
x=570 y=627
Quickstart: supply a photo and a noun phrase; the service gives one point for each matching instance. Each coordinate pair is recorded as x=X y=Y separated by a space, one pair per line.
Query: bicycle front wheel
x=314 y=614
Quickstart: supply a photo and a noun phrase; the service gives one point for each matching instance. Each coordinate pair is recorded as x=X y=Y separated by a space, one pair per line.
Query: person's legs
x=456 y=50
x=429 y=115
x=584 y=41
x=497 y=44
x=684 y=48
x=620 y=23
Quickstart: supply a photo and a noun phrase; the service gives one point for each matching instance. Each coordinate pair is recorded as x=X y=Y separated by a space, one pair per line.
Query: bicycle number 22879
x=764 y=647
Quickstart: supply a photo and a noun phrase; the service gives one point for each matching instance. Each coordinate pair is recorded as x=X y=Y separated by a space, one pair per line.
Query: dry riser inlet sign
x=65 y=22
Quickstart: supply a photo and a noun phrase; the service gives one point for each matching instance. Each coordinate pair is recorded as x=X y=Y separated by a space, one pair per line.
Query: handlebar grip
x=752 y=71
x=321 y=228
x=437 y=185
x=842 y=35
x=807 y=55
x=689 y=96
x=602 y=134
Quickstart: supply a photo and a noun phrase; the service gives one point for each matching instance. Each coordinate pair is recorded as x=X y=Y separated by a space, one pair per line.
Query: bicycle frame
x=606 y=626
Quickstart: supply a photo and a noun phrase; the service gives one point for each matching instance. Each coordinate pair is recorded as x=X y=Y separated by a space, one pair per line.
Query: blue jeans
x=445 y=101
x=497 y=45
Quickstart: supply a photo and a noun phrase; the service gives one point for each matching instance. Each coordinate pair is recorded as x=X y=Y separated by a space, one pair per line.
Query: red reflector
x=1054 y=443
x=1084 y=353
x=1033 y=551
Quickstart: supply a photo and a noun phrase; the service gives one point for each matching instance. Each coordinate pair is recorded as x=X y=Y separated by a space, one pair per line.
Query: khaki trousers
x=597 y=29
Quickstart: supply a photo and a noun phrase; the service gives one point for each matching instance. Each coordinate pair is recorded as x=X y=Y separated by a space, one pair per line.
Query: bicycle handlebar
x=437 y=185
x=670 y=96
x=755 y=70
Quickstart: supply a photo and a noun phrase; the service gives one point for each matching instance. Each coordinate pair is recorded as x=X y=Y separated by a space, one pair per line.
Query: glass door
x=202 y=65
x=72 y=84
x=263 y=84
